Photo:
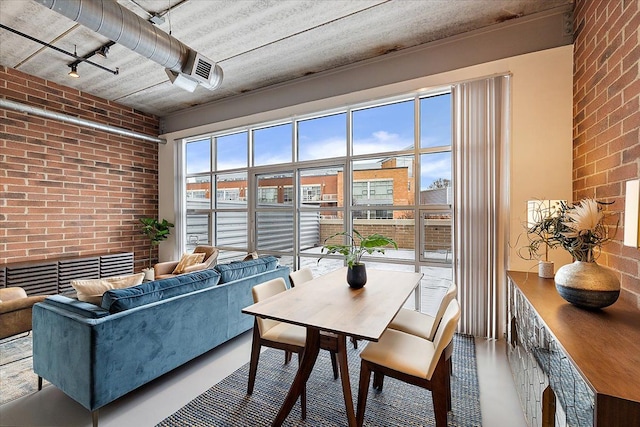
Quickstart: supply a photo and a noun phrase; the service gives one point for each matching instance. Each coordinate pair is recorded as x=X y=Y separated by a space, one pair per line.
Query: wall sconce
x=632 y=214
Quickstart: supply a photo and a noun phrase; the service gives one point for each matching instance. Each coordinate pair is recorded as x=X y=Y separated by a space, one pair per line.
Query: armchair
x=15 y=311
x=163 y=270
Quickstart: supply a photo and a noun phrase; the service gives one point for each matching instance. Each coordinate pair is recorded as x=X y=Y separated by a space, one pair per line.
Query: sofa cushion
x=118 y=300
x=237 y=270
x=188 y=260
x=91 y=290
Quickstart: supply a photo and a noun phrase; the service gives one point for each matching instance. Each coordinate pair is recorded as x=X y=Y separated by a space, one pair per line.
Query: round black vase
x=357 y=276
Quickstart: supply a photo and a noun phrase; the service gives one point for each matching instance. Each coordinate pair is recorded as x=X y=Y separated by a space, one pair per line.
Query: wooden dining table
x=327 y=304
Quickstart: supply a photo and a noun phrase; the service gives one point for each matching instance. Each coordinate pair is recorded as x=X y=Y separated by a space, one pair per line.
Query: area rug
x=17 y=378
x=399 y=404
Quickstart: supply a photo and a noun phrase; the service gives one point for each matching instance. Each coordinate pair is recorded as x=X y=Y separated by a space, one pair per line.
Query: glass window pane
x=322 y=187
x=436 y=237
x=197 y=231
x=198 y=156
x=396 y=224
x=272 y=145
x=231 y=191
x=231 y=151
x=274 y=230
x=275 y=189
x=435 y=121
x=198 y=192
x=322 y=137
x=232 y=230
x=388 y=181
x=435 y=180
x=384 y=128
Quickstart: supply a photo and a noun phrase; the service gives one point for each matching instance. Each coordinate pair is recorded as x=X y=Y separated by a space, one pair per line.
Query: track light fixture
x=103 y=51
x=74 y=71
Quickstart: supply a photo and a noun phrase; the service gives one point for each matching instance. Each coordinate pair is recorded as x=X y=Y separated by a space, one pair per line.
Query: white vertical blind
x=481 y=112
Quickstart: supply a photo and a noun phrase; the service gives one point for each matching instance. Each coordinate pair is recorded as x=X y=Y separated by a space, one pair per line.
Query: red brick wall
x=67 y=189
x=606 y=142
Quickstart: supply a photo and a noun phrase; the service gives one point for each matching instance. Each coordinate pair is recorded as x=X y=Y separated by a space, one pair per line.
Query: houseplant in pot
x=542 y=223
x=353 y=250
x=156 y=231
x=582 y=230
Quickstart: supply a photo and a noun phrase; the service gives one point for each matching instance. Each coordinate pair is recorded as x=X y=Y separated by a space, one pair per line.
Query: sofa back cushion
x=237 y=270
x=118 y=300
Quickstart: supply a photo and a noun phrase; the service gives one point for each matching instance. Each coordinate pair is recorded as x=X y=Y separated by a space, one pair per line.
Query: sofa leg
x=94 y=418
x=39 y=383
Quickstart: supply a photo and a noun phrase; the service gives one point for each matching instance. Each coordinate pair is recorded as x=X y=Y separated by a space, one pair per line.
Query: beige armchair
x=162 y=270
x=15 y=311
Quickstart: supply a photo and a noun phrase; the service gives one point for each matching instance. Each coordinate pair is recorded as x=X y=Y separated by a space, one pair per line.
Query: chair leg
x=287 y=357
x=439 y=394
x=378 y=380
x=334 y=365
x=363 y=391
x=354 y=342
x=448 y=377
x=303 y=395
x=255 y=356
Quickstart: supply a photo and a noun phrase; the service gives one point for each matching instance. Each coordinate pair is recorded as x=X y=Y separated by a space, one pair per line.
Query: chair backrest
x=263 y=291
x=300 y=276
x=211 y=254
x=444 y=334
x=452 y=293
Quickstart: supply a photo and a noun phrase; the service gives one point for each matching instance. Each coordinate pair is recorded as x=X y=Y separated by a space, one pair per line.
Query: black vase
x=357 y=276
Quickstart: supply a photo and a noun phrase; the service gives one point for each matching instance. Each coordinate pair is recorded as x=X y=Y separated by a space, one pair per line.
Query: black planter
x=357 y=276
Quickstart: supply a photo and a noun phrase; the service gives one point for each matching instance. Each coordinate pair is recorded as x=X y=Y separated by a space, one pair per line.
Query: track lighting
x=74 y=71
x=103 y=51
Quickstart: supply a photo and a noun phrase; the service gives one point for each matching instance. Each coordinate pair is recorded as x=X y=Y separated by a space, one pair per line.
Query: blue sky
x=375 y=130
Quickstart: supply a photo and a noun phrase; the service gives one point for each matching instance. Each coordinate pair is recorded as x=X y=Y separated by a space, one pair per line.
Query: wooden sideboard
x=54 y=275
x=572 y=366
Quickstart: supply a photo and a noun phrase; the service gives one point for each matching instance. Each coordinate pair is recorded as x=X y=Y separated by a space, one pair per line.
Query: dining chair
x=420 y=324
x=275 y=334
x=413 y=360
x=304 y=275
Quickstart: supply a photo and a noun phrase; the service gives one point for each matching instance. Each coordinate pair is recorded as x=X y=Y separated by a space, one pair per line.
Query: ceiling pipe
x=23 y=108
x=117 y=23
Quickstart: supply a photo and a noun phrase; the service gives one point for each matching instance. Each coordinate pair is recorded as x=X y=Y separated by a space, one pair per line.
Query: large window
x=283 y=188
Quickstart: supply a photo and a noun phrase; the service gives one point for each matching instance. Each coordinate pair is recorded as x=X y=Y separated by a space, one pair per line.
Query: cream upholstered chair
x=413 y=360
x=163 y=270
x=274 y=334
x=420 y=324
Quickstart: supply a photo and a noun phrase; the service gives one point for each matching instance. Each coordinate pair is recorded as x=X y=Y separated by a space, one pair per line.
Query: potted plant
x=156 y=231
x=581 y=229
x=353 y=250
x=543 y=221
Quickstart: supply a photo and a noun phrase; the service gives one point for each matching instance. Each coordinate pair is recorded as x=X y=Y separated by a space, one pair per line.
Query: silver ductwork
x=40 y=112
x=117 y=23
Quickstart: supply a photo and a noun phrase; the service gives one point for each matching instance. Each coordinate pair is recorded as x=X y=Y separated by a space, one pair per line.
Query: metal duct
x=117 y=23
x=16 y=106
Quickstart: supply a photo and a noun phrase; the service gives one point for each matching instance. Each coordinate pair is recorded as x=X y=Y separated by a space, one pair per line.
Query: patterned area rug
x=399 y=404
x=17 y=378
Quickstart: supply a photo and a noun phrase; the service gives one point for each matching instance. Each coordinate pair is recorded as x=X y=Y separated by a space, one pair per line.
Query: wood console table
x=572 y=366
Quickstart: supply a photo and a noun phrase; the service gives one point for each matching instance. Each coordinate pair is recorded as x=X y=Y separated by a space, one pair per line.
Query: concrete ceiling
x=257 y=43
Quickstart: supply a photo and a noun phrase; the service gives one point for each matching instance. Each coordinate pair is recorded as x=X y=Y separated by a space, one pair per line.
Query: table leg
x=311 y=350
x=344 y=377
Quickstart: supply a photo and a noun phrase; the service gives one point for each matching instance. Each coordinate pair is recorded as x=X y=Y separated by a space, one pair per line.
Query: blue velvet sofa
x=96 y=354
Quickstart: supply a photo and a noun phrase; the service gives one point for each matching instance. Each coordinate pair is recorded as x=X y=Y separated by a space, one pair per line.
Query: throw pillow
x=91 y=290
x=251 y=255
x=188 y=260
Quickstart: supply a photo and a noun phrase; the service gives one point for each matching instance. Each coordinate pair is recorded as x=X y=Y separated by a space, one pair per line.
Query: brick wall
x=606 y=141
x=67 y=189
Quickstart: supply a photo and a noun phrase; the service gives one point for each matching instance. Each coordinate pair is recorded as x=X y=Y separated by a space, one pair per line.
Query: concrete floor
x=155 y=401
